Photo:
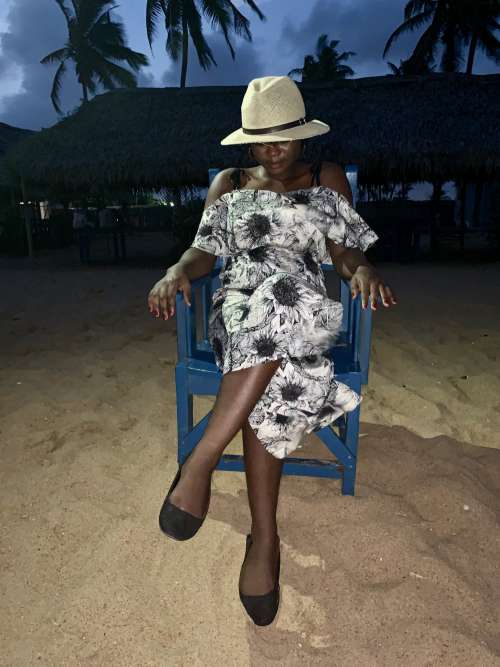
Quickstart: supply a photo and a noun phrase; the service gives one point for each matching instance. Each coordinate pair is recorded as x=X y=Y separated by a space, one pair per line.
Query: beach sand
x=407 y=572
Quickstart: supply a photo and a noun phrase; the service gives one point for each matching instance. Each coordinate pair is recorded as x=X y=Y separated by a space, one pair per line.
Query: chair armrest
x=202 y=288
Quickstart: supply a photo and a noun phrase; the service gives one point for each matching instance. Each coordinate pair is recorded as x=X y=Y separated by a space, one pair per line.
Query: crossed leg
x=238 y=394
x=263 y=475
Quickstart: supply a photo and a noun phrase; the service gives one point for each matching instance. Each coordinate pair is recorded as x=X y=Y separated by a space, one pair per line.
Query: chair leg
x=184 y=412
x=351 y=441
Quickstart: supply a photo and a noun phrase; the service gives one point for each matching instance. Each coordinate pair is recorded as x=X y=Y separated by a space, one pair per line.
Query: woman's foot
x=192 y=492
x=258 y=572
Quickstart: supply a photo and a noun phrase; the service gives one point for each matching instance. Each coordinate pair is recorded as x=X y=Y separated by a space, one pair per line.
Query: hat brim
x=313 y=128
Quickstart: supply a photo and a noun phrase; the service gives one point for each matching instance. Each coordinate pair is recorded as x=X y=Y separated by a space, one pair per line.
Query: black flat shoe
x=262 y=608
x=176 y=523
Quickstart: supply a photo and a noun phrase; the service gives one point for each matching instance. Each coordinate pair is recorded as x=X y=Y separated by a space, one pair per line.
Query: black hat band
x=276 y=128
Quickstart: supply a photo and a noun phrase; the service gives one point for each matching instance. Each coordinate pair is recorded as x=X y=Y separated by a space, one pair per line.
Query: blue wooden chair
x=197 y=374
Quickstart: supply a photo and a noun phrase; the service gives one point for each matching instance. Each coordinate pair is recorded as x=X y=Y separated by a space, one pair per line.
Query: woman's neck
x=298 y=172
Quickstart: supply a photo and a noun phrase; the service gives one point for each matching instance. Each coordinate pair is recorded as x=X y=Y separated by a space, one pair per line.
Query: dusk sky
x=30 y=29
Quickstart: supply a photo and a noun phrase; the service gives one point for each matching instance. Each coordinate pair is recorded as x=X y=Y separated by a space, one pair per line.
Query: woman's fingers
x=186 y=290
x=153 y=302
x=162 y=297
x=374 y=294
x=389 y=294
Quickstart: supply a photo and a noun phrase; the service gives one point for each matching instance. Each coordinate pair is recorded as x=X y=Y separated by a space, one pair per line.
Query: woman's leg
x=263 y=475
x=238 y=394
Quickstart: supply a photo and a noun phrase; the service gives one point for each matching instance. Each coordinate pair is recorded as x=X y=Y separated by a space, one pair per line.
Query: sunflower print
x=273 y=304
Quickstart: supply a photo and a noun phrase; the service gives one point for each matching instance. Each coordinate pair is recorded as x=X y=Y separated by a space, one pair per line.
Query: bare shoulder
x=333 y=176
x=220 y=185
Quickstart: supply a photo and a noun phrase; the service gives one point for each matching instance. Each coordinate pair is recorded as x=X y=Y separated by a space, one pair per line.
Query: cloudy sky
x=29 y=29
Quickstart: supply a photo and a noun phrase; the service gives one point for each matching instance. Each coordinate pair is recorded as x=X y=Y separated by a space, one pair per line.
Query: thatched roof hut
x=9 y=136
x=416 y=128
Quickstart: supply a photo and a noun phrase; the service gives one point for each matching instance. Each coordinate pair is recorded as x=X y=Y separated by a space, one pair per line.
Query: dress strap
x=236 y=178
x=315 y=171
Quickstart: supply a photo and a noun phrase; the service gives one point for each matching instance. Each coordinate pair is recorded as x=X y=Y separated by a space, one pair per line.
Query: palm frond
x=90 y=11
x=216 y=12
x=394 y=69
x=414 y=7
x=489 y=44
x=65 y=10
x=113 y=76
x=154 y=12
x=56 y=87
x=253 y=7
x=203 y=51
x=173 y=26
x=55 y=57
x=413 y=23
x=241 y=24
x=452 y=52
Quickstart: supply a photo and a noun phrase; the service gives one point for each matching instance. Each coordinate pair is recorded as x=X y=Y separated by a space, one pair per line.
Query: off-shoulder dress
x=273 y=303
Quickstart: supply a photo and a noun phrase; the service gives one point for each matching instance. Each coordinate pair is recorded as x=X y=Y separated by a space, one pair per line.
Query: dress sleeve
x=347 y=227
x=213 y=235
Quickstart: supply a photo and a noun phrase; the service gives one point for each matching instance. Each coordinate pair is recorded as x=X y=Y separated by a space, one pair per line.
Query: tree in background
x=453 y=24
x=183 y=18
x=328 y=64
x=96 y=44
x=407 y=68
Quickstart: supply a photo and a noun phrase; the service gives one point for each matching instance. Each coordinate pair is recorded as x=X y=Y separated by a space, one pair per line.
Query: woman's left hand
x=367 y=282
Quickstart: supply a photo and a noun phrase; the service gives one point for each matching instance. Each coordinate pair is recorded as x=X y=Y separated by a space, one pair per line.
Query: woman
x=271 y=320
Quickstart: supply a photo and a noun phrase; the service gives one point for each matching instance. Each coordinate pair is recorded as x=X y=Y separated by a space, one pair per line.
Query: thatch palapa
x=9 y=136
x=412 y=128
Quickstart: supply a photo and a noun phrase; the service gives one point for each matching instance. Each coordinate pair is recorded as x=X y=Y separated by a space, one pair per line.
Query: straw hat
x=273 y=110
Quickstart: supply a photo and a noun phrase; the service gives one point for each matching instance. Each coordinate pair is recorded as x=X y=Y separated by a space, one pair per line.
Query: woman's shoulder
x=222 y=184
x=333 y=177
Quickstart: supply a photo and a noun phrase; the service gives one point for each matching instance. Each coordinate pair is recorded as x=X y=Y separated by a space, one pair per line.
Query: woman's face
x=277 y=156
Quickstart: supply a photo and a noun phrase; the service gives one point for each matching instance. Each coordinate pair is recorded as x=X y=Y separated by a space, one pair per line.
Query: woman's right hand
x=161 y=299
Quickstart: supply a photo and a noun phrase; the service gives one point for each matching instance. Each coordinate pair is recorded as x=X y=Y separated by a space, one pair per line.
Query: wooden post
x=463 y=195
x=27 y=221
x=437 y=185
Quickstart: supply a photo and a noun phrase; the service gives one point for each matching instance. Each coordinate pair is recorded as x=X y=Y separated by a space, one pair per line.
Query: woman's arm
x=351 y=263
x=195 y=262
x=345 y=260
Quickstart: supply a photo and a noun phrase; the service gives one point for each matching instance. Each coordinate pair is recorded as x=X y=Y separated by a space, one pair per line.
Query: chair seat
x=341 y=354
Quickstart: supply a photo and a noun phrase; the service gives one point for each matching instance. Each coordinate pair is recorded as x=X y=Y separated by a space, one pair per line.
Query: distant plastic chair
x=197 y=374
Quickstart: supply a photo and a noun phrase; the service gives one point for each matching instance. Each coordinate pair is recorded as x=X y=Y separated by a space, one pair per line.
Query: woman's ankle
x=267 y=536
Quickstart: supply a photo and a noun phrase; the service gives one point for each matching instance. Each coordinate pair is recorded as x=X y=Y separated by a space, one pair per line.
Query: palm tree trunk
x=27 y=221
x=185 y=38
x=472 y=52
x=478 y=195
x=85 y=93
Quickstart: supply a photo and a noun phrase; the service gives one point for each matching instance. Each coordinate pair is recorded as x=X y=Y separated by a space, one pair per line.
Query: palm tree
x=327 y=65
x=183 y=19
x=481 y=24
x=96 y=44
x=453 y=25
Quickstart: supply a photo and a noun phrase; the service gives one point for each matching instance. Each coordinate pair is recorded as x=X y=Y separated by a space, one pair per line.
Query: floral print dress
x=273 y=304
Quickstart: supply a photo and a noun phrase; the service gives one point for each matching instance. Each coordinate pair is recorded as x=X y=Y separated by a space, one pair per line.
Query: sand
x=407 y=572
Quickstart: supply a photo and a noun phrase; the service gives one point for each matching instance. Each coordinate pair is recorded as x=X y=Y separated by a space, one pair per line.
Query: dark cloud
x=228 y=72
x=145 y=79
